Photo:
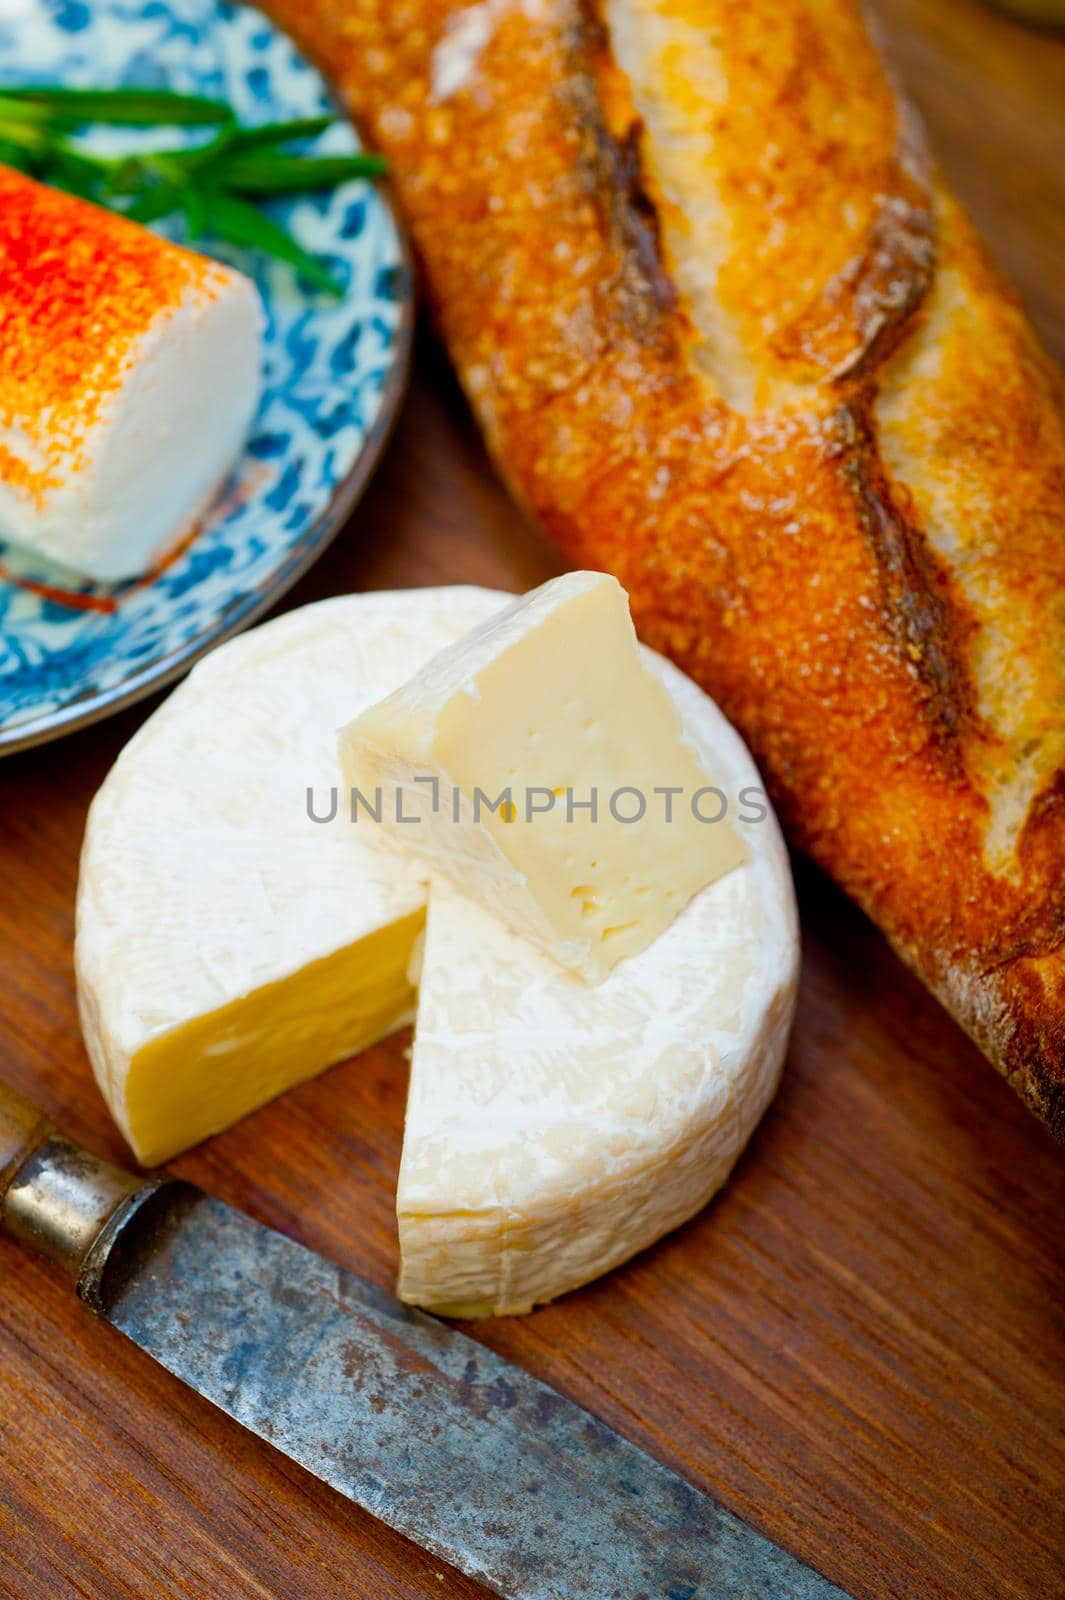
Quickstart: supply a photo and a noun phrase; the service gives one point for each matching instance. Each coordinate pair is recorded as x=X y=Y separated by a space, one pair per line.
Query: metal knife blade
x=460 y=1450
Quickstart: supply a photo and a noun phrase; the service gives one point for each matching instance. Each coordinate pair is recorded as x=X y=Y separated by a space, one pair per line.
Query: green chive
x=25 y=136
x=275 y=133
x=194 y=205
x=154 y=203
x=12 y=109
x=133 y=108
x=205 y=182
x=234 y=219
x=280 y=174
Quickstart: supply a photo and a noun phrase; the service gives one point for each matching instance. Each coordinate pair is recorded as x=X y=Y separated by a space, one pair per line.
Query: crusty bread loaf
x=730 y=339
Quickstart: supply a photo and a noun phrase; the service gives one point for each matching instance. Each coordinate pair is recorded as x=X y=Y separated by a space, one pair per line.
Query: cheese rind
x=541 y=766
x=553 y=1130
x=130 y=378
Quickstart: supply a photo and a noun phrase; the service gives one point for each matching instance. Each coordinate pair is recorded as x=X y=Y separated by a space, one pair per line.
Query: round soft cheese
x=237 y=933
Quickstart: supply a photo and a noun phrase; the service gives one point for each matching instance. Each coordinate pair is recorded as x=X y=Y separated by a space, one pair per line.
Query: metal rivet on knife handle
x=54 y=1196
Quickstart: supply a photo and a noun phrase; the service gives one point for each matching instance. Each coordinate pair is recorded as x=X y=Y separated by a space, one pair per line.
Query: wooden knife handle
x=59 y=1199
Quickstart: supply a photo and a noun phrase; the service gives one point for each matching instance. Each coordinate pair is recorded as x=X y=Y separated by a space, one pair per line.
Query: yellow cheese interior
x=195 y=1080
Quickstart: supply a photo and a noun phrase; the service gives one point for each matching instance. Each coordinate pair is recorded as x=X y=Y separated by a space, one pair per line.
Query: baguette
x=730 y=339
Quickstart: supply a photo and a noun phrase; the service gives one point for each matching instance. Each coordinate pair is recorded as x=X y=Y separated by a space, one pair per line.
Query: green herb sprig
x=213 y=184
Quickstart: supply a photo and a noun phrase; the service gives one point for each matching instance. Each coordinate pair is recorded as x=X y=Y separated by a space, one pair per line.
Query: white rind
x=162 y=446
x=202 y=877
x=552 y=1131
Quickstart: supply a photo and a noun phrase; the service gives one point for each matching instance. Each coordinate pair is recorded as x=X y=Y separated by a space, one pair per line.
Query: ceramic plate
x=334 y=371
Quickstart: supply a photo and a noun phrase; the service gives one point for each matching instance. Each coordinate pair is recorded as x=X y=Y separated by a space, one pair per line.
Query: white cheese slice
x=553 y=1130
x=540 y=765
x=130 y=380
x=229 y=945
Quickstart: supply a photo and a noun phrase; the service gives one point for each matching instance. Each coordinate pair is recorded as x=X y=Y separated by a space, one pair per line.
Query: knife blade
x=462 y=1451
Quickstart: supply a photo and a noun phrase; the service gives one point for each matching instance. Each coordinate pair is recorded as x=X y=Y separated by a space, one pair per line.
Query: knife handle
x=58 y=1199
x=23 y=1126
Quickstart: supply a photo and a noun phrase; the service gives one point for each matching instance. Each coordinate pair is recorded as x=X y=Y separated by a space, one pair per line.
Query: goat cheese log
x=731 y=340
x=129 y=373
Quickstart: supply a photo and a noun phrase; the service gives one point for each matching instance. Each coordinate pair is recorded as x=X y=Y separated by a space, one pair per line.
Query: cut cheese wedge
x=553 y=1130
x=130 y=375
x=539 y=763
x=231 y=941
x=227 y=944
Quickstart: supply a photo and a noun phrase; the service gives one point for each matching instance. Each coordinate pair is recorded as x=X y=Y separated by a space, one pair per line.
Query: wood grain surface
x=858 y=1347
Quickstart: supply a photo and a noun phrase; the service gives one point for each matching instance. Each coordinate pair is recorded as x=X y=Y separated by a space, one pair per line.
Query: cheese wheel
x=237 y=934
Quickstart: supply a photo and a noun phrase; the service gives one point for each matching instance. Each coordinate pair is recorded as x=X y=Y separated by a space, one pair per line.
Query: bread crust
x=833 y=481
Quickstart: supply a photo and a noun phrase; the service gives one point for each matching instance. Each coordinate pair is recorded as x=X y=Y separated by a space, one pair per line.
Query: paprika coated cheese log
x=730 y=339
x=129 y=376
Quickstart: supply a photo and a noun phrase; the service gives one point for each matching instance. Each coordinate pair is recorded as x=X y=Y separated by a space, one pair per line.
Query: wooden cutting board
x=859 y=1346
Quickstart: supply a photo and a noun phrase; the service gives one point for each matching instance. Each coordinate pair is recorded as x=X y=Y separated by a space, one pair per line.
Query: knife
x=466 y=1454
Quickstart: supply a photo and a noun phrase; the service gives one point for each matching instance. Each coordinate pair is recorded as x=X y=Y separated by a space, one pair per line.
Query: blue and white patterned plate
x=334 y=373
